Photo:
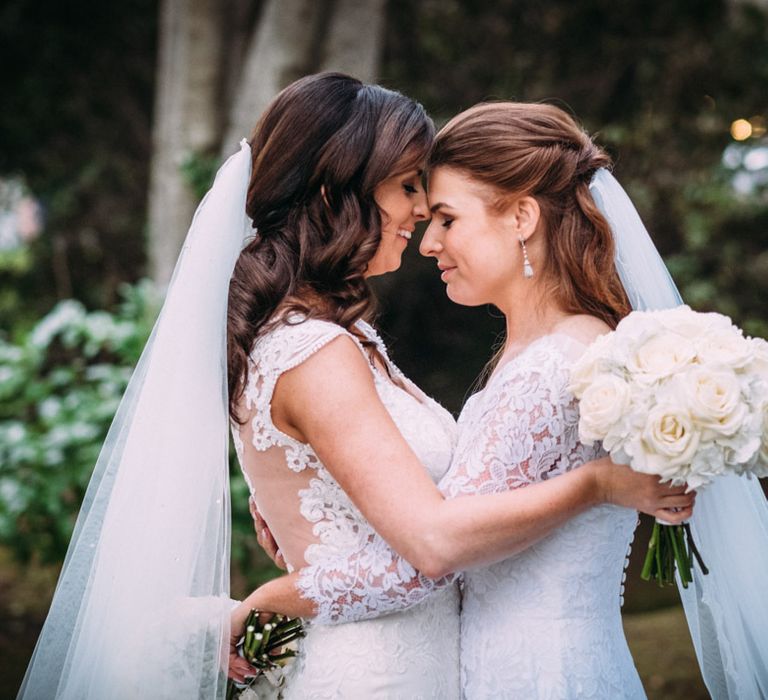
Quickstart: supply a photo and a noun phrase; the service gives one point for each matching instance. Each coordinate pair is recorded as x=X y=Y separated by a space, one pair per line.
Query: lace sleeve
x=523 y=428
x=371 y=582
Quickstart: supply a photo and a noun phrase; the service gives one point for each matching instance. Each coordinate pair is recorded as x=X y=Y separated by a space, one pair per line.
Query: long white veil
x=727 y=610
x=141 y=606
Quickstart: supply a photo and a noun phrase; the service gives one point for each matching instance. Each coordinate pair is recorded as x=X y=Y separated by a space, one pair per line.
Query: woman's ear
x=523 y=217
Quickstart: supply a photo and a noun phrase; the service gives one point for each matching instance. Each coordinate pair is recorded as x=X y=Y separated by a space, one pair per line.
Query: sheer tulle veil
x=140 y=609
x=727 y=610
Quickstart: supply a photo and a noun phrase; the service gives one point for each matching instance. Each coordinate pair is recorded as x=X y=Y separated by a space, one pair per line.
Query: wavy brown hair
x=518 y=149
x=318 y=153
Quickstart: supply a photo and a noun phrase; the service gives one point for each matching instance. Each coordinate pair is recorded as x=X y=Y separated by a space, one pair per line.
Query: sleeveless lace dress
x=546 y=623
x=377 y=635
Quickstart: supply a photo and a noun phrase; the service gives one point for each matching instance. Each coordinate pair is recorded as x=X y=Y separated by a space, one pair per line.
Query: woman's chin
x=462 y=298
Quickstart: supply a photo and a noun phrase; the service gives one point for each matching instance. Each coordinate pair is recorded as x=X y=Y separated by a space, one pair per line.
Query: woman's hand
x=239 y=669
x=264 y=537
x=620 y=485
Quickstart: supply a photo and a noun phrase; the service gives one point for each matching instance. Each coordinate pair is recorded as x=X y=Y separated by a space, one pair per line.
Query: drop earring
x=527 y=268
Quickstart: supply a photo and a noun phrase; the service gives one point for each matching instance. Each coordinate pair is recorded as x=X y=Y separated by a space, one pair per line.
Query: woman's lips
x=446 y=270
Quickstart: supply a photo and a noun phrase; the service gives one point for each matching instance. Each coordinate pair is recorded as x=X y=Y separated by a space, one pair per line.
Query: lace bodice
x=554 y=608
x=345 y=567
x=545 y=623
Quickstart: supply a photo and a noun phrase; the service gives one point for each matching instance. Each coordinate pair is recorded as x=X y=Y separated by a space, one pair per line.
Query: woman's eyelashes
x=446 y=223
x=410 y=188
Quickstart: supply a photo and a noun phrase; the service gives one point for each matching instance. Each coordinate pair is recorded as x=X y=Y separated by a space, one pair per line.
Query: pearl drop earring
x=527 y=268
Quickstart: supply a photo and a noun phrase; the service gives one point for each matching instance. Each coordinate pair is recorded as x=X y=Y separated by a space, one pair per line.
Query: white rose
x=691 y=324
x=728 y=348
x=714 y=400
x=759 y=363
x=660 y=356
x=603 y=405
x=583 y=373
x=597 y=359
x=637 y=326
x=669 y=439
x=764 y=436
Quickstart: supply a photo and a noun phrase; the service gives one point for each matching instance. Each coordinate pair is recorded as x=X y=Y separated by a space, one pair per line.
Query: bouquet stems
x=671 y=546
x=263 y=646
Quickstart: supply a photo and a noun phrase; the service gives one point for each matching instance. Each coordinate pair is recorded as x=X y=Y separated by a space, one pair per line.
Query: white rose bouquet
x=679 y=394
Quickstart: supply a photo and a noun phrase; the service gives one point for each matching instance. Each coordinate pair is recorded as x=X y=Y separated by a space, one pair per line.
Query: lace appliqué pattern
x=352 y=573
x=545 y=623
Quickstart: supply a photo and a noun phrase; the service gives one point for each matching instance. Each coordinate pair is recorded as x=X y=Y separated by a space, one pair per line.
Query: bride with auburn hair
x=342 y=452
x=527 y=217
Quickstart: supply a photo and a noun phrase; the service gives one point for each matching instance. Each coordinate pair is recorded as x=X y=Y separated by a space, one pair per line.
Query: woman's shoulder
x=289 y=340
x=550 y=356
x=582 y=328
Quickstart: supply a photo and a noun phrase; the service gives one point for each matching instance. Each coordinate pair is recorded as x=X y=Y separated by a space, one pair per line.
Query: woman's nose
x=430 y=244
x=421 y=205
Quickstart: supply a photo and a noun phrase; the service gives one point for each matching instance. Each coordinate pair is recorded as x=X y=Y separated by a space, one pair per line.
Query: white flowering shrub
x=60 y=385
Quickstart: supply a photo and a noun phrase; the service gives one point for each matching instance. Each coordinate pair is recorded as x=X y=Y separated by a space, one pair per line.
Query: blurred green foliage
x=60 y=385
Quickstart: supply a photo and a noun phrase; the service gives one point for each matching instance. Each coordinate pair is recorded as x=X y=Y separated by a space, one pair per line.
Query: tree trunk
x=355 y=37
x=279 y=53
x=298 y=37
x=186 y=121
x=200 y=69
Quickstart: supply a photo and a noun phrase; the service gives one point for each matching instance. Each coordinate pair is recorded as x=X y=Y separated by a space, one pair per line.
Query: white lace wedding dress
x=346 y=568
x=545 y=624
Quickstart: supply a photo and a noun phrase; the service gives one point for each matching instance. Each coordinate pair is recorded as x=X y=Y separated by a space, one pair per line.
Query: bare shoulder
x=583 y=327
x=331 y=384
x=339 y=363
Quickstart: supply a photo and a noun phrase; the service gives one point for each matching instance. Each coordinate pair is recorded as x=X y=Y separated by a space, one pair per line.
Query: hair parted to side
x=318 y=152
x=518 y=149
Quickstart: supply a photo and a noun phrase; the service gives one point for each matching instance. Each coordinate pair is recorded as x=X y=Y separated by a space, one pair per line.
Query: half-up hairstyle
x=538 y=150
x=319 y=151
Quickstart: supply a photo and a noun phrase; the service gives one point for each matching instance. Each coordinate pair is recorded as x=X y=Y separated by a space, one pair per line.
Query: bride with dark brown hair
x=341 y=451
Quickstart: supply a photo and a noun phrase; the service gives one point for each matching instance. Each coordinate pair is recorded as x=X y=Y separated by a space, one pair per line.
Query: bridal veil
x=727 y=610
x=140 y=607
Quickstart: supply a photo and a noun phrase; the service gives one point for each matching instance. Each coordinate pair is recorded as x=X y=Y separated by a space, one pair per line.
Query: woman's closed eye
x=410 y=189
x=447 y=223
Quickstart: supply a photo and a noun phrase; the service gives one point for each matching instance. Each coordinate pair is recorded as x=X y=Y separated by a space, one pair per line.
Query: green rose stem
x=255 y=648
x=676 y=540
x=249 y=632
x=694 y=549
x=650 y=556
x=267 y=633
x=671 y=546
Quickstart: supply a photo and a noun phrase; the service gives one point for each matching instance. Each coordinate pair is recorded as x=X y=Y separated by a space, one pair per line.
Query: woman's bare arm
x=330 y=401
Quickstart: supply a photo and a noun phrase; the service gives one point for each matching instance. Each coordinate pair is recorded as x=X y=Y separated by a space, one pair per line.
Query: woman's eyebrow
x=439 y=205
